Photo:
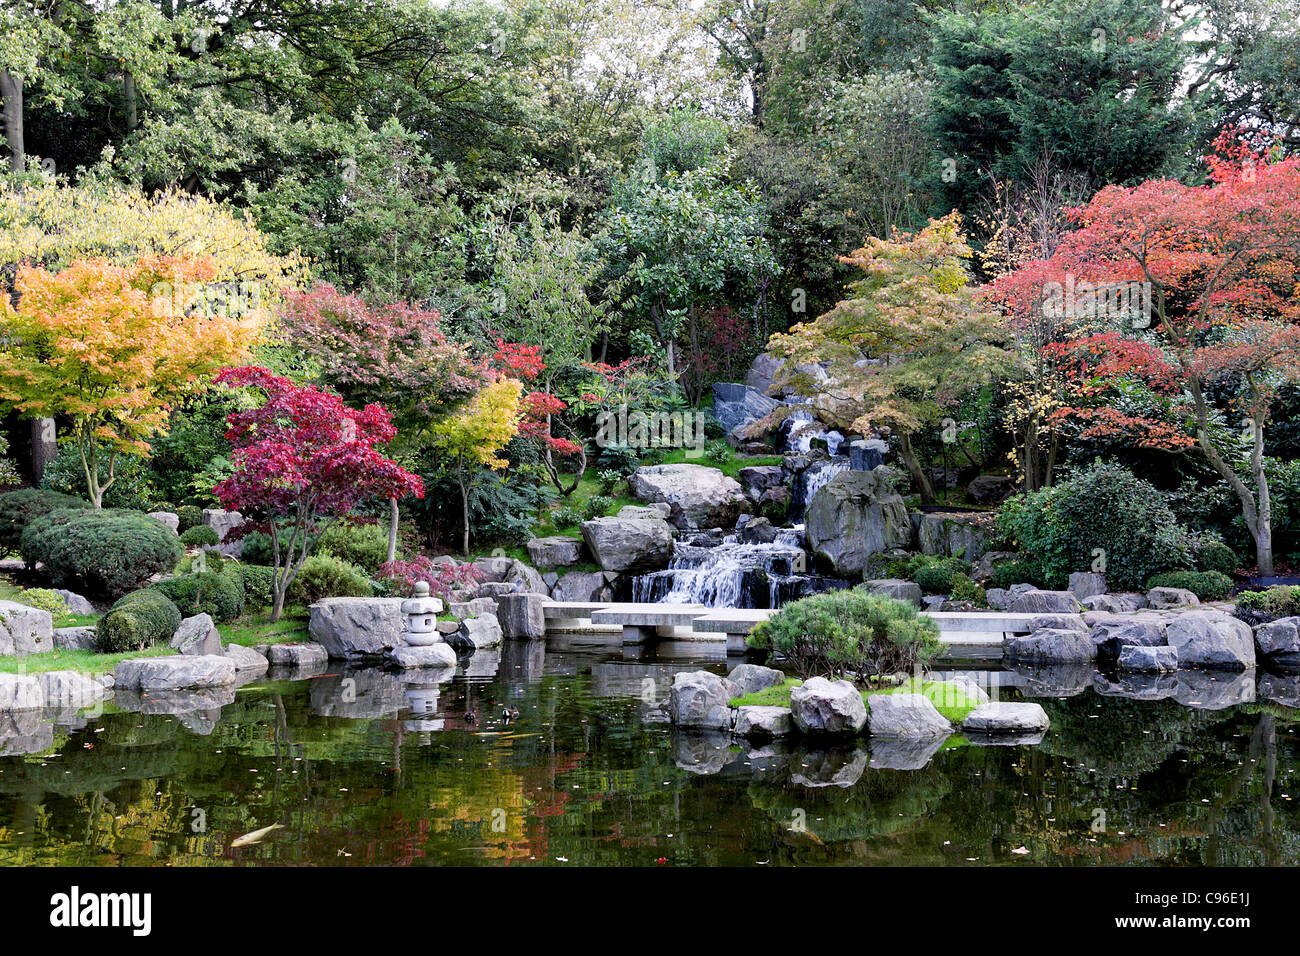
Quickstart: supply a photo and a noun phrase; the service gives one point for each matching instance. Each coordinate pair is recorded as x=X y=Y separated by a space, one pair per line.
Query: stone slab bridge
x=968 y=634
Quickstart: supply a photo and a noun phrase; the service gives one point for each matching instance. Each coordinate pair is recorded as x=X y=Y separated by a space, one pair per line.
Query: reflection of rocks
x=632 y=679
x=292 y=672
x=701 y=752
x=1060 y=680
x=1282 y=689
x=1136 y=686
x=897 y=753
x=1210 y=691
x=523 y=660
x=483 y=664
x=1006 y=740
x=833 y=767
x=25 y=732
x=367 y=693
x=174 y=701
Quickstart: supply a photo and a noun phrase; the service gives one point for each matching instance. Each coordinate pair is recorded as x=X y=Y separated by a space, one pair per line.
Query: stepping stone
x=297 y=655
x=1006 y=718
x=429 y=655
x=174 y=673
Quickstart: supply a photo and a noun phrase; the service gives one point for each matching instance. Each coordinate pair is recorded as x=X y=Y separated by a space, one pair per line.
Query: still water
x=350 y=768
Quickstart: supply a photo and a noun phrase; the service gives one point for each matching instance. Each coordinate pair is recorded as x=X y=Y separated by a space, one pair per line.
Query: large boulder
x=221 y=521
x=1165 y=598
x=170 y=518
x=1212 y=640
x=895 y=588
x=20 y=692
x=581 y=586
x=701 y=700
x=698 y=496
x=756 y=479
x=1114 y=603
x=906 y=715
x=494 y=568
x=1086 y=584
x=557 y=551
x=1065 y=622
x=948 y=533
x=736 y=406
x=70 y=690
x=174 y=673
x=475 y=633
x=75 y=602
x=989 y=489
x=1053 y=646
x=1004 y=717
x=197 y=636
x=1046 y=602
x=757 y=721
x=247 y=660
x=304 y=654
x=1159 y=659
x=629 y=544
x=829 y=707
x=1112 y=636
x=84 y=638
x=763 y=371
x=24 y=630
x=751 y=678
x=1279 y=641
x=853 y=516
x=521 y=616
x=357 y=628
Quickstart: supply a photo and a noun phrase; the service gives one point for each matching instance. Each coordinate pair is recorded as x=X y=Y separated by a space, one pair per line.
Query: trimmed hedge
x=138 y=621
x=100 y=551
x=191 y=516
x=323 y=575
x=1216 y=556
x=1206 y=585
x=363 y=545
x=20 y=508
x=199 y=535
x=219 y=595
x=259 y=584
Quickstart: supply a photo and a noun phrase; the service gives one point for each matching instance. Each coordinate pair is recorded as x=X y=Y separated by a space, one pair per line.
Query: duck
x=510 y=713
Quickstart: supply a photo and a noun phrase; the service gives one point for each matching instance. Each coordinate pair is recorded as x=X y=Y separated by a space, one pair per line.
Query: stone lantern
x=422 y=645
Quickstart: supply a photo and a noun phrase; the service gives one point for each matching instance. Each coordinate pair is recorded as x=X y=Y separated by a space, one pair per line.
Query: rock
x=477 y=632
x=24 y=630
x=737 y=406
x=1085 y=584
x=428 y=655
x=1163 y=598
x=521 y=616
x=905 y=715
x=1046 y=602
x=1212 y=640
x=698 y=496
x=700 y=700
x=20 y=692
x=629 y=544
x=352 y=628
x=474 y=608
x=445 y=628
x=895 y=588
x=1147 y=659
x=763 y=371
x=774 y=503
x=305 y=654
x=197 y=636
x=853 y=516
x=754 y=721
x=174 y=673
x=757 y=479
x=751 y=678
x=1279 y=641
x=169 y=518
x=581 y=586
x=556 y=551
x=75 y=602
x=950 y=533
x=76 y=638
x=1112 y=636
x=1114 y=603
x=989 y=489
x=1006 y=718
x=494 y=569
x=69 y=690
x=822 y=706
x=757 y=531
x=988 y=561
x=1053 y=646
x=247 y=660
x=492 y=590
x=658 y=509
x=999 y=599
x=866 y=454
x=221 y=521
x=1062 y=622
x=525 y=579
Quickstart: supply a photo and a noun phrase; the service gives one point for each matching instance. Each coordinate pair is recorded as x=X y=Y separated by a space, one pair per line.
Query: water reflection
x=359 y=766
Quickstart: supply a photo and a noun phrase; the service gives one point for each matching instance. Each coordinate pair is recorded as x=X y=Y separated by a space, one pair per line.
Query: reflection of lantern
x=422 y=617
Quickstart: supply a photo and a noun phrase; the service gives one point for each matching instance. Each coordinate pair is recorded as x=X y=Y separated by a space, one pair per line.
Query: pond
x=358 y=767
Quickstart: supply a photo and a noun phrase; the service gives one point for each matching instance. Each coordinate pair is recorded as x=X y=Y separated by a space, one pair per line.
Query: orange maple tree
x=112 y=348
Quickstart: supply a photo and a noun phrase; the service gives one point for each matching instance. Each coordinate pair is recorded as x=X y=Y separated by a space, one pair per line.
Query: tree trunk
x=392 y=529
x=914 y=468
x=464 y=505
x=44 y=446
x=11 y=91
x=130 y=98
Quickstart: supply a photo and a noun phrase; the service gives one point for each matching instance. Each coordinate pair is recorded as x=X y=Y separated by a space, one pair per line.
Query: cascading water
x=817 y=476
x=733 y=574
x=802 y=442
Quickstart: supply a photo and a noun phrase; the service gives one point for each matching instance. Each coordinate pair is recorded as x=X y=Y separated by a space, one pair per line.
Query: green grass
x=85 y=662
x=948 y=698
x=778 y=696
x=253 y=629
x=9 y=591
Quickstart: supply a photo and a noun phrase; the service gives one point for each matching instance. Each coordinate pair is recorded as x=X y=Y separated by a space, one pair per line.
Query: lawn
x=948 y=698
x=85 y=662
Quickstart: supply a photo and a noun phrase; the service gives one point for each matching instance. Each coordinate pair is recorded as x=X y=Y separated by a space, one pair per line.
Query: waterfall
x=803 y=443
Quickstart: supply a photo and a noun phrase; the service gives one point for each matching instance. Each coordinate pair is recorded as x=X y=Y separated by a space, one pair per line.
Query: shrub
x=565 y=517
x=1016 y=571
x=323 y=575
x=1260 y=607
x=20 y=508
x=219 y=595
x=609 y=479
x=190 y=516
x=1206 y=585
x=100 y=552
x=44 y=599
x=259 y=584
x=964 y=589
x=399 y=577
x=365 y=545
x=199 y=535
x=936 y=574
x=849 y=632
x=1106 y=508
x=138 y=621
x=718 y=452
x=132 y=487
x=597 y=507
x=1216 y=556
x=618 y=458
x=256 y=549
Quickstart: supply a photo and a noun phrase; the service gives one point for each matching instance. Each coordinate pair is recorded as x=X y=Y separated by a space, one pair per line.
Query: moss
x=949 y=698
x=778 y=696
